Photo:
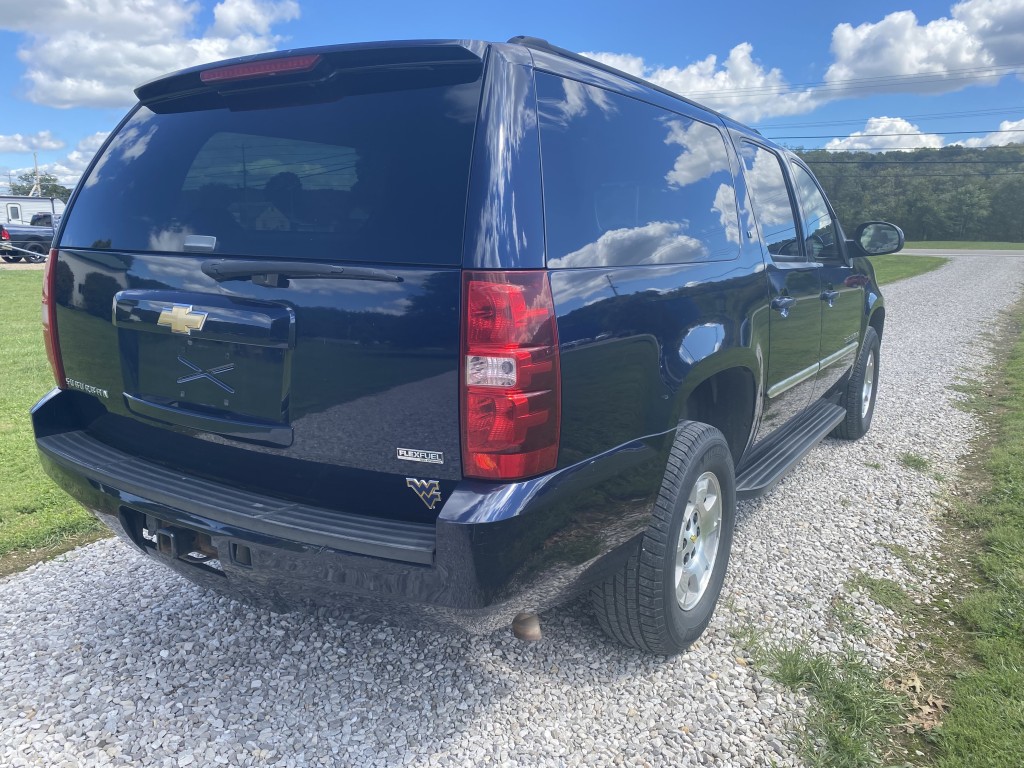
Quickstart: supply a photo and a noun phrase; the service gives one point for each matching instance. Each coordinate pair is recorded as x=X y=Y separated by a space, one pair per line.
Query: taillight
x=4 y=234
x=510 y=375
x=50 y=321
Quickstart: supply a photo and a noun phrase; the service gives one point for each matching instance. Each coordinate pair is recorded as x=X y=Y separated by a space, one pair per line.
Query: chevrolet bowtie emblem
x=429 y=491
x=181 y=319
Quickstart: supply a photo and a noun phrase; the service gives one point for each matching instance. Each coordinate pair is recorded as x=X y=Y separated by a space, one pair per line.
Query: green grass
x=852 y=713
x=985 y=726
x=909 y=560
x=962 y=245
x=37 y=519
x=914 y=461
x=885 y=592
x=899 y=266
x=844 y=613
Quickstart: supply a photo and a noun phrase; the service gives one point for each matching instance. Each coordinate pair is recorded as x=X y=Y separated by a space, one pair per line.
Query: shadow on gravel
x=160 y=666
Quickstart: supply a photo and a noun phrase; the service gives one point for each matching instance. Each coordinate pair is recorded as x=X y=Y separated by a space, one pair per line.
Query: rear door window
x=629 y=183
x=373 y=176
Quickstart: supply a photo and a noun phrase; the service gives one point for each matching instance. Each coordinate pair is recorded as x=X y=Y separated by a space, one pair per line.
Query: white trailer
x=19 y=209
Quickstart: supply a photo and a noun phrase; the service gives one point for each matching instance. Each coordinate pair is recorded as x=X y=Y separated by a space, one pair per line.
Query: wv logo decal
x=429 y=491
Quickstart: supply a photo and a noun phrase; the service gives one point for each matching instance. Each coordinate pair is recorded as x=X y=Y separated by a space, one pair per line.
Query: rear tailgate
x=260 y=285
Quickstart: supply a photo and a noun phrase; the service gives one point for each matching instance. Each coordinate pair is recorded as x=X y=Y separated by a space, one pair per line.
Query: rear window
x=373 y=176
x=628 y=183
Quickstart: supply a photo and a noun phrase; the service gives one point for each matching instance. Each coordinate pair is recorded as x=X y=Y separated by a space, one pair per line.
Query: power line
x=912 y=163
x=957 y=115
x=936 y=175
x=950 y=75
x=873 y=150
x=876 y=135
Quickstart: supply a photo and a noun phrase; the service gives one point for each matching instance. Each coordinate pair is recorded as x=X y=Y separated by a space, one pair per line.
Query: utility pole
x=37 y=190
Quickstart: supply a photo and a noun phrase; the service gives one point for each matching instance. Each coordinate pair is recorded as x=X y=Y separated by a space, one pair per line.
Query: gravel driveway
x=107 y=659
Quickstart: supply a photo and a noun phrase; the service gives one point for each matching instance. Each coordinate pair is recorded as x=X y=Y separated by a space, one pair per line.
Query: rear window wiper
x=276 y=274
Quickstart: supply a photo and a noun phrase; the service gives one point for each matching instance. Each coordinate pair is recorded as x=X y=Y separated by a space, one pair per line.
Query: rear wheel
x=38 y=253
x=12 y=259
x=861 y=389
x=662 y=599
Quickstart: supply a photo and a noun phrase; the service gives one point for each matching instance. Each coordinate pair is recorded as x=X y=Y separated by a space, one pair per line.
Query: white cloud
x=868 y=140
x=17 y=142
x=69 y=170
x=239 y=17
x=978 y=35
x=739 y=86
x=999 y=139
x=94 y=52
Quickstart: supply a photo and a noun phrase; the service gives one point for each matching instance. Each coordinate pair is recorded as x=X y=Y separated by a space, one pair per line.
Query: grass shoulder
x=37 y=519
x=985 y=626
x=899 y=266
x=965 y=245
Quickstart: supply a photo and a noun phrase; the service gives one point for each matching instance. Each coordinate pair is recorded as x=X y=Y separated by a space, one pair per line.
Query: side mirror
x=877 y=238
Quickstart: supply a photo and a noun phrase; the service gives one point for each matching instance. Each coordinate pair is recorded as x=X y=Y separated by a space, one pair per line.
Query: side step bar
x=771 y=459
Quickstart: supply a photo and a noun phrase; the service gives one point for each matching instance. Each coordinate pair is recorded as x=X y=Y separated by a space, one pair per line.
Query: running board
x=771 y=459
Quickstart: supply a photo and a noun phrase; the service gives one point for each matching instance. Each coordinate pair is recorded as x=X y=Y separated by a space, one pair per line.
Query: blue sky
x=819 y=74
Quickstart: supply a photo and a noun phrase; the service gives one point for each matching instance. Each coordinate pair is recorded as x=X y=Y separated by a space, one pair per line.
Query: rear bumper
x=495 y=550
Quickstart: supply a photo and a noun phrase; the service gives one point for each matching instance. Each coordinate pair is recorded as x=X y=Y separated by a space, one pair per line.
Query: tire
x=639 y=605
x=861 y=390
x=38 y=253
x=12 y=259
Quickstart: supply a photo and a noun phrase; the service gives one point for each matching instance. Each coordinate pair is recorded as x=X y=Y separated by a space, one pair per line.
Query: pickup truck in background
x=30 y=243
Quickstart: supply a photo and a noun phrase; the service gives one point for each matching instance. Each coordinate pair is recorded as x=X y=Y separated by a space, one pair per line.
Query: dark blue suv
x=447 y=331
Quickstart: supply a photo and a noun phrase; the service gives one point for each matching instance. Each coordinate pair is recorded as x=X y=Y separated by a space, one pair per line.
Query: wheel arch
x=726 y=398
x=877 y=320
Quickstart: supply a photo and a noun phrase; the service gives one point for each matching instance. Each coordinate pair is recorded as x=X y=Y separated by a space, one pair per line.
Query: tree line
x=952 y=193
x=48 y=184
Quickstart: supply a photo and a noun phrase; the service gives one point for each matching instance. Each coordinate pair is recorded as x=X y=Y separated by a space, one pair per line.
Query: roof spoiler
x=332 y=58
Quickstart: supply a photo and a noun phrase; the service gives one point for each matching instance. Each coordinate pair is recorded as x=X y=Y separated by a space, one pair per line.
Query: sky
x=870 y=75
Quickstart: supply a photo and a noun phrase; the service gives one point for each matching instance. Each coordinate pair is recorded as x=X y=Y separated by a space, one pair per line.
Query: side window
x=772 y=204
x=819 y=229
x=629 y=183
x=14 y=212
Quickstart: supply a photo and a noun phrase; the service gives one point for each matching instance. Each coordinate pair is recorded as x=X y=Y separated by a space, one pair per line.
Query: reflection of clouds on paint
x=577 y=102
x=659 y=242
x=725 y=207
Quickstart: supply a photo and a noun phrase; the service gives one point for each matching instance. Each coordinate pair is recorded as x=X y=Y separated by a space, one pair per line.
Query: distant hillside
x=953 y=193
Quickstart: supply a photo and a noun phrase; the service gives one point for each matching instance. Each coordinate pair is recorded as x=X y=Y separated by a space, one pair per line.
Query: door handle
x=782 y=304
x=830 y=297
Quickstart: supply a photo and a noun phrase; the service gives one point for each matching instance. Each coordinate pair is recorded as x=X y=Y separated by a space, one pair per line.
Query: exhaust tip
x=526 y=626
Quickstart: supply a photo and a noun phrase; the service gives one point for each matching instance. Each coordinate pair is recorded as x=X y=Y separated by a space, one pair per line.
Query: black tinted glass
x=772 y=205
x=629 y=183
x=373 y=176
x=819 y=231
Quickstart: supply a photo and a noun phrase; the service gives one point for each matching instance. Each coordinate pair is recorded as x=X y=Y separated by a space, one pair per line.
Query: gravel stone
x=107 y=659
